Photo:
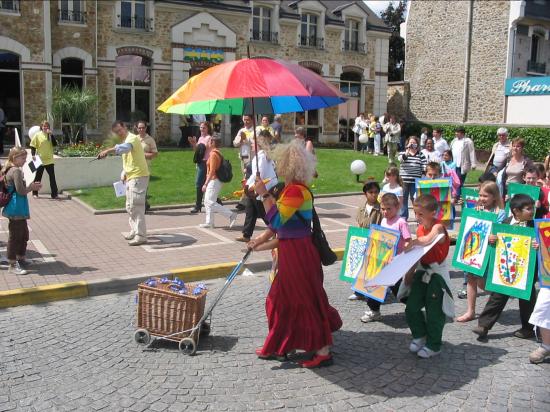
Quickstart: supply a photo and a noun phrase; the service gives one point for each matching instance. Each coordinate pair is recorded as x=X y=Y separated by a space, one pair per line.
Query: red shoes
x=317 y=361
x=272 y=356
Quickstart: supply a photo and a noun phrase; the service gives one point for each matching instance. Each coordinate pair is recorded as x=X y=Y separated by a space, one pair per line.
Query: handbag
x=327 y=255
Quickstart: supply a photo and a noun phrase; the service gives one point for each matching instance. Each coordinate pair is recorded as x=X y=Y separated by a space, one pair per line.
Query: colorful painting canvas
x=381 y=248
x=354 y=254
x=514 y=188
x=470 y=197
x=471 y=251
x=542 y=230
x=441 y=190
x=513 y=261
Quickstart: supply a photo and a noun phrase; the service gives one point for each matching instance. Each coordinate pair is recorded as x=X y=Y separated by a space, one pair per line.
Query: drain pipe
x=467 y=62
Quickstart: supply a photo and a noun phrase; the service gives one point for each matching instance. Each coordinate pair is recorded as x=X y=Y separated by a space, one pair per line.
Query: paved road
x=80 y=355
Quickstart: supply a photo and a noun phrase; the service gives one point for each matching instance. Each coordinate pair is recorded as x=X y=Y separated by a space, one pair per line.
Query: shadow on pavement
x=59 y=268
x=379 y=363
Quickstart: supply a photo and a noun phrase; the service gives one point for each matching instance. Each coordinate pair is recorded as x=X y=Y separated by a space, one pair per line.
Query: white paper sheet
x=37 y=161
x=120 y=188
x=400 y=265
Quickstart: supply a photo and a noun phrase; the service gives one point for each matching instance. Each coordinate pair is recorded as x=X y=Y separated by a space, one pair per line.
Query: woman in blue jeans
x=413 y=166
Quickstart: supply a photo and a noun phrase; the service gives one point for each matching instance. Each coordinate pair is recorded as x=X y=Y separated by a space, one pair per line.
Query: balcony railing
x=135 y=22
x=10 y=6
x=535 y=67
x=312 y=41
x=354 y=46
x=68 y=16
x=267 y=36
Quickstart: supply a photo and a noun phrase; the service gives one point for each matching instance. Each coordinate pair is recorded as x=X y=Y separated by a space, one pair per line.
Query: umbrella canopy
x=274 y=86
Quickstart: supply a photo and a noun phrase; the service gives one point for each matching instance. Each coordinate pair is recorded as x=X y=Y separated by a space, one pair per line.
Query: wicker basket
x=163 y=312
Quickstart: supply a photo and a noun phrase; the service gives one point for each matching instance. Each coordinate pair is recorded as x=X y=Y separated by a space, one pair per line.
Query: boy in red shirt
x=430 y=283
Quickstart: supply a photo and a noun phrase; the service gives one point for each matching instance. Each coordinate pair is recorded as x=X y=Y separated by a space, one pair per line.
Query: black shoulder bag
x=328 y=257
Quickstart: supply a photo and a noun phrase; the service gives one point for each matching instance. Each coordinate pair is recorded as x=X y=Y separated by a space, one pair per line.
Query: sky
x=378 y=5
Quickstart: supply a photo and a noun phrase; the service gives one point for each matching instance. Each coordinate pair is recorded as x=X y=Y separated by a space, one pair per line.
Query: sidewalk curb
x=74 y=290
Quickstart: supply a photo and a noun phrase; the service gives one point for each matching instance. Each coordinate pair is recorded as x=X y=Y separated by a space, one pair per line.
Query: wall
x=435 y=61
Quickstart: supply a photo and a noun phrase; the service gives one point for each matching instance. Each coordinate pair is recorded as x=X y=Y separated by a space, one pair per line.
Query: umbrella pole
x=253 y=122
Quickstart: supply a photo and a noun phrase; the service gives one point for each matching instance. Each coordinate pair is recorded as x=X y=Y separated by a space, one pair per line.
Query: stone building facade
x=460 y=54
x=135 y=53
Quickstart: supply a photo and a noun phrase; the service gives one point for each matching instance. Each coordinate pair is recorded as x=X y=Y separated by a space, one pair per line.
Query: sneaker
x=538 y=355
x=426 y=353
x=16 y=269
x=130 y=236
x=481 y=331
x=524 y=333
x=353 y=296
x=232 y=220
x=417 y=344
x=371 y=316
x=35 y=196
x=242 y=239
x=136 y=241
x=462 y=294
x=207 y=225
x=240 y=207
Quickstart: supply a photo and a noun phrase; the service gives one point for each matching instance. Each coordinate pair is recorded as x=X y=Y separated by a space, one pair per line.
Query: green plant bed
x=173 y=180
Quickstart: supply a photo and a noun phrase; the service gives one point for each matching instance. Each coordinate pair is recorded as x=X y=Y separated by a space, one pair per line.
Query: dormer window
x=309 y=31
x=262 y=25
x=351 y=39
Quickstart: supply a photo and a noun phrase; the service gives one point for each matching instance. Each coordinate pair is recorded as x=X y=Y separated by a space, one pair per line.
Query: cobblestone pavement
x=80 y=355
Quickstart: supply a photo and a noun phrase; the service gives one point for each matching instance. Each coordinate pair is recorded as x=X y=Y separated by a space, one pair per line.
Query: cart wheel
x=188 y=346
x=205 y=329
x=142 y=336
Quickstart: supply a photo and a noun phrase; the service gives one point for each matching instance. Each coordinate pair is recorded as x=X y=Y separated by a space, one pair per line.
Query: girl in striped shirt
x=413 y=166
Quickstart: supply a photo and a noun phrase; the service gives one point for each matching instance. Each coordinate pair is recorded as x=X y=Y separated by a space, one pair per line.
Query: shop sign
x=199 y=54
x=525 y=86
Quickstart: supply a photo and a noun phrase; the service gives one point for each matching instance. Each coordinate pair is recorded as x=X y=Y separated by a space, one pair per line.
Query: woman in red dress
x=298 y=312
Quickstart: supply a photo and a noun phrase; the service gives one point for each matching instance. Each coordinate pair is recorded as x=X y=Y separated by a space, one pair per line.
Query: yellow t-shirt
x=133 y=162
x=44 y=147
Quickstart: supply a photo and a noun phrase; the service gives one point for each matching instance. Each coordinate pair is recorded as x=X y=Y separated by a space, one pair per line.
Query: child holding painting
x=489 y=201
x=390 y=210
x=369 y=214
x=523 y=208
x=429 y=284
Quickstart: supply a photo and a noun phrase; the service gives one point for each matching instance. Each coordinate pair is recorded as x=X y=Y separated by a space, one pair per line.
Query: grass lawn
x=173 y=180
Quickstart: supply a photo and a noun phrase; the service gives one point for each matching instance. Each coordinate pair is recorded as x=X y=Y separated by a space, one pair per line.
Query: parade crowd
x=299 y=314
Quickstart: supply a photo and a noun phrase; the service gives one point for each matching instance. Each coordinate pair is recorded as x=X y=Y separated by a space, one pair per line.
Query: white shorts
x=541 y=314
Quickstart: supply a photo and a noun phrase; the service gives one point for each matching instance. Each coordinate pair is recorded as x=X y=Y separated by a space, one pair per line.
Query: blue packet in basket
x=151 y=282
x=164 y=280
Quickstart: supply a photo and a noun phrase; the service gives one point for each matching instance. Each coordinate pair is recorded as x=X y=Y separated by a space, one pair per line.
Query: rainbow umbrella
x=250 y=86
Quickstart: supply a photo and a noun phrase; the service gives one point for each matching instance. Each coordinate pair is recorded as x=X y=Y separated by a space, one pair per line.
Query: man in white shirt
x=440 y=144
x=244 y=141
x=464 y=156
x=500 y=152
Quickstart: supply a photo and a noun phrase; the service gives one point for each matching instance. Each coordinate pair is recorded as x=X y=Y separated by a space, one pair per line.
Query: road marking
x=216 y=235
x=335 y=221
x=40 y=248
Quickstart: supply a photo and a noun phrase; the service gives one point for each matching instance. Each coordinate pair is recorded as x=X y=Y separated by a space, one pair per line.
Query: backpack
x=5 y=194
x=225 y=171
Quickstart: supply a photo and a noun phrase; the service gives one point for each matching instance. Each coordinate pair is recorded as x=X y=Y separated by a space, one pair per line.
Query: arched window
x=72 y=73
x=350 y=84
x=133 y=87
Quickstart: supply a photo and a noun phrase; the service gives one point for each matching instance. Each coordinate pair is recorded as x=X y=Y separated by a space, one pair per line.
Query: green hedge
x=537 y=139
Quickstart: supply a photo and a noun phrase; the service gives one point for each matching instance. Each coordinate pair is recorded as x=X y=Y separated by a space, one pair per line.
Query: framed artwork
x=513 y=261
x=354 y=253
x=472 y=246
x=514 y=188
x=441 y=190
x=381 y=248
x=542 y=231
x=470 y=197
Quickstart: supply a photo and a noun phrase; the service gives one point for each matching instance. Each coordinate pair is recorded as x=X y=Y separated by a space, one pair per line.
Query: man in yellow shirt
x=136 y=176
x=42 y=143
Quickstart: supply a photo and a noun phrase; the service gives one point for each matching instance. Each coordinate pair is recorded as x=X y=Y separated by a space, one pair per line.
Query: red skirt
x=298 y=313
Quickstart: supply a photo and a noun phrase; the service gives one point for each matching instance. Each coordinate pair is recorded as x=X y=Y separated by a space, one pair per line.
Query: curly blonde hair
x=14 y=152
x=294 y=163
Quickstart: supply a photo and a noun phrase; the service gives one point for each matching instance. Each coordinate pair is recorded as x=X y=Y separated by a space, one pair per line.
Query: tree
x=75 y=107
x=393 y=17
